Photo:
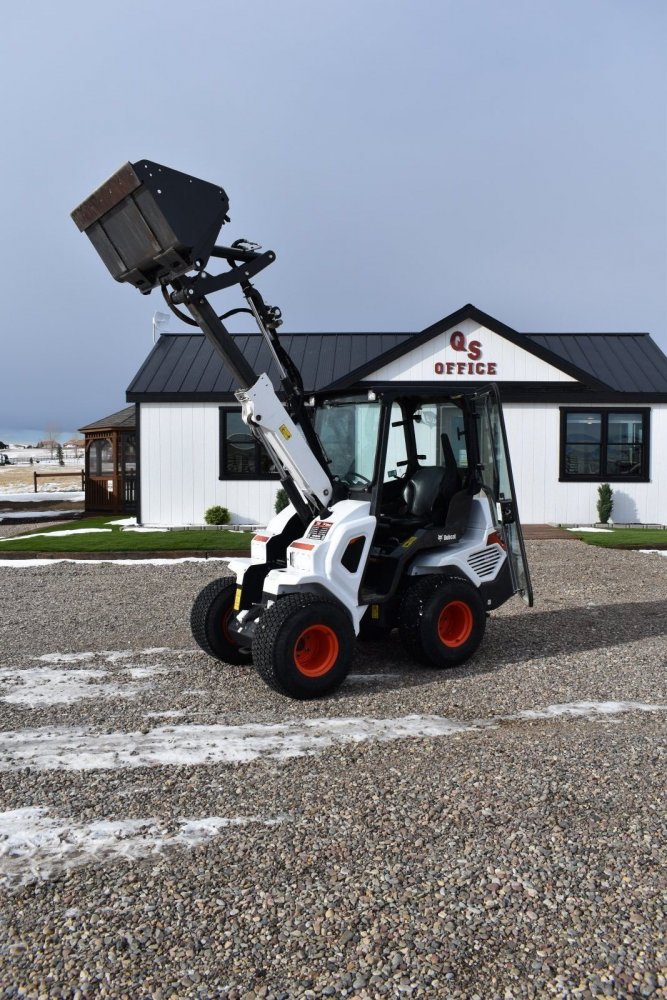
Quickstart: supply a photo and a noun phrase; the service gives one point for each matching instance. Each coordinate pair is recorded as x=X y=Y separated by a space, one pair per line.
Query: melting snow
x=56 y=534
x=70 y=496
x=36 y=515
x=81 y=750
x=27 y=563
x=581 y=528
x=34 y=845
x=46 y=685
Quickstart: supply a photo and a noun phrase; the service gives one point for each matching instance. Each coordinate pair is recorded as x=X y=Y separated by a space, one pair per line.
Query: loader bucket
x=150 y=223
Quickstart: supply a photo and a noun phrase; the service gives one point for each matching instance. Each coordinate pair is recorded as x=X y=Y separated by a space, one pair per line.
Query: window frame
x=604 y=412
x=223 y=453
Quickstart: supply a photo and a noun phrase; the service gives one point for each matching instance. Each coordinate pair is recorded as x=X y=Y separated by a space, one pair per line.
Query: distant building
x=580 y=409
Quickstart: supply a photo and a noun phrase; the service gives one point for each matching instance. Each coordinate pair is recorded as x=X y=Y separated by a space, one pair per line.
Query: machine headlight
x=300 y=557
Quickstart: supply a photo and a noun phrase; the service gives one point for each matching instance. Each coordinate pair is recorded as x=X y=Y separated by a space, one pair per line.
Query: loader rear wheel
x=442 y=620
x=303 y=646
x=209 y=621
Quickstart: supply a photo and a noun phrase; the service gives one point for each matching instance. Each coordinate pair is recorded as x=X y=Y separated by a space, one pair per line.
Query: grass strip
x=117 y=540
x=626 y=538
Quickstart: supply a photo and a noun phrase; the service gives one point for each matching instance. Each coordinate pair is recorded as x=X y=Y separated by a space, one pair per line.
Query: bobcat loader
x=402 y=511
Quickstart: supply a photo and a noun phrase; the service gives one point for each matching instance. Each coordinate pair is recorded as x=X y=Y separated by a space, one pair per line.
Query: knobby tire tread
x=268 y=632
x=412 y=610
x=200 y=612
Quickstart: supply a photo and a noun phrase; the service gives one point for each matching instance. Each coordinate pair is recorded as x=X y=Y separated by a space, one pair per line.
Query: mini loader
x=402 y=511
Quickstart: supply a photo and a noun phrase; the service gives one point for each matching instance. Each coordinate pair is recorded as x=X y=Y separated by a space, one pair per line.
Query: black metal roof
x=626 y=362
x=185 y=367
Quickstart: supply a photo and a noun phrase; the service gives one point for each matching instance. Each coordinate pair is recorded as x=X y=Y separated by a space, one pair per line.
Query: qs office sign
x=469 y=358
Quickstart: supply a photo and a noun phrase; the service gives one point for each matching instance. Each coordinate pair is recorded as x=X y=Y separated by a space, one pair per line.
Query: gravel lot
x=158 y=840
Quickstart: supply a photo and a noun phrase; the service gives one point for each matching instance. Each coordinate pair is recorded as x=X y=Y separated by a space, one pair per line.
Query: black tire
x=209 y=618
x=442 y=620
x=303 y=646
x=371 y=630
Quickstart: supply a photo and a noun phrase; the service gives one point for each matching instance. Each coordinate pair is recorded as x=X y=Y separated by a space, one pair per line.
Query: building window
x=604 y=445
x=241 y=456
x=100 y=458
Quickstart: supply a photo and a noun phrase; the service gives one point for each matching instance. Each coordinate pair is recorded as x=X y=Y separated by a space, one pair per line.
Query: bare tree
x=51 y=438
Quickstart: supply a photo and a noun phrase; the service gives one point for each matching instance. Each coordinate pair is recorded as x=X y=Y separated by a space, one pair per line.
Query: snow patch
x=36 y=515
x=150 y=531
x=47 y=685
x=35 y=846
x=82 y=750
x=29 y=563
x=587 y=530
x=56 y=534
x=39 y=686
x=654 y=552
x=75 y=495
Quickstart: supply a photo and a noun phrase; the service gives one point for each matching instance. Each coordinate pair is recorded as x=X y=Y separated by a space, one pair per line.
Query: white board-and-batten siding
x=533 y=434
x=180 y=459
x=180 y=449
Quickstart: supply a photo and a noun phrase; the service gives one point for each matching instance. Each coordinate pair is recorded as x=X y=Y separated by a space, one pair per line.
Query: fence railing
x=52 y=475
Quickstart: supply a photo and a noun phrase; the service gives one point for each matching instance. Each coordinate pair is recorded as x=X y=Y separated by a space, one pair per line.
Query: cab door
x=495 y=471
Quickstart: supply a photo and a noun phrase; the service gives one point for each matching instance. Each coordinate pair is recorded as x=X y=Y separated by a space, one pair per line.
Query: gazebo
x=111 y=462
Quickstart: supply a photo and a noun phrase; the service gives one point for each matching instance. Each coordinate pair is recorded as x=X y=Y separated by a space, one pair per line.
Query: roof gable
x=470 y=345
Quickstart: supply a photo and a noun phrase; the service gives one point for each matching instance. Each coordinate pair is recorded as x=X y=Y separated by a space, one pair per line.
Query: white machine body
x=315 y=561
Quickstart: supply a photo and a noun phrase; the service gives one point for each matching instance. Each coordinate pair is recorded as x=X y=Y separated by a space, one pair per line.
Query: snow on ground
x=57 y=534
x=11 y=515
x=24 y=563
x=35 y=845
x=137 y=528
x=587 y=529
x=73 y=749
x=73 y=495
x=59 y=683
x=654 y=552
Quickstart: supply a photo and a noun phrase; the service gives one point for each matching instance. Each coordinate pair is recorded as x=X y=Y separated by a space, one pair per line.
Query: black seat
x=426 y=496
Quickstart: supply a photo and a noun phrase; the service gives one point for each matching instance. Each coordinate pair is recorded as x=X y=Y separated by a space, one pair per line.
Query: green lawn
x=626 y=538
x=117 y=540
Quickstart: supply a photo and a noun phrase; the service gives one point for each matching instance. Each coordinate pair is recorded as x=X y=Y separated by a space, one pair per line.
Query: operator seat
x=427 y=495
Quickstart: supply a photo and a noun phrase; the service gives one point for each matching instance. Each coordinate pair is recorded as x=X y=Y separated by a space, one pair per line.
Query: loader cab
x=420 y=459
x=407 y=454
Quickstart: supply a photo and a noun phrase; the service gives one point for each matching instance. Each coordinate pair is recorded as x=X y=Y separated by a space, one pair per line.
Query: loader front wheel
x=303 y=646
x=209 y=621
x=442 y=620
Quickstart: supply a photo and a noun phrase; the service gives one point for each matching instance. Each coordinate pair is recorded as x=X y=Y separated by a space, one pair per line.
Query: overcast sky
x=402 y=157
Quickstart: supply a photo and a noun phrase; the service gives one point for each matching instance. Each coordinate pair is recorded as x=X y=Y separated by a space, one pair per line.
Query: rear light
x=495 y=539
x=261 y=538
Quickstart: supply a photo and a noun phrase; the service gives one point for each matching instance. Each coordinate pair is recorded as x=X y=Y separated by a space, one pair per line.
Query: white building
x=580 y=409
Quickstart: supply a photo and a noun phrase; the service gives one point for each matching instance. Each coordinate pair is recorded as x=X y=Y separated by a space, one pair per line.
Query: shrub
x=217 y=515
x=282 y=500
x=605 y=502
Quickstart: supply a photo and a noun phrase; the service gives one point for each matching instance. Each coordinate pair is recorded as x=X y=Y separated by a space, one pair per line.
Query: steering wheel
x=355 y=479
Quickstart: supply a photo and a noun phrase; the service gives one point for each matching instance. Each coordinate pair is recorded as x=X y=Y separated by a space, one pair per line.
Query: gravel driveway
x=169 y=827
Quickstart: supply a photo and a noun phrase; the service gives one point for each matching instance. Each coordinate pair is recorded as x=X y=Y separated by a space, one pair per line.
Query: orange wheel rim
x=225 y=620
x=455 y=623
x=316 y=650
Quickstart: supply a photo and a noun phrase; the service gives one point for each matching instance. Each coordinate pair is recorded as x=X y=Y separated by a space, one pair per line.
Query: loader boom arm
x=156 y=227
